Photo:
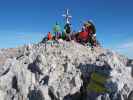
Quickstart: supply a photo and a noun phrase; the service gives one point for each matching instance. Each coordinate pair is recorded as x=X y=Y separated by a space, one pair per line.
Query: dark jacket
x=67 y=28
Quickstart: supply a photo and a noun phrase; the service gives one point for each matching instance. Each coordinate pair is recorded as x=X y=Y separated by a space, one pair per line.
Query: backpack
x=92 y=27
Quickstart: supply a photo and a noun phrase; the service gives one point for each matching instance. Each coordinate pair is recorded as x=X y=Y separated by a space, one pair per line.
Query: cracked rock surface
x=60 y=72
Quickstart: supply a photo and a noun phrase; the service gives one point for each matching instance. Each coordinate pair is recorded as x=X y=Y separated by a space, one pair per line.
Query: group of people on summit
x=86 y=36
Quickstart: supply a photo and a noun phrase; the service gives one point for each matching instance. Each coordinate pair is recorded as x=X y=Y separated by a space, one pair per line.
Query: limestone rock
x=61 y=72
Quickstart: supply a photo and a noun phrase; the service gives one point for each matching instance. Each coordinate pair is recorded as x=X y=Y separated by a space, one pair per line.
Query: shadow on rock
x=34 y=68
x=130 y=63
x=94 y=79
x=44 y=80
x=15 y=83
x=76 y=96
x=35 y=95
x=130 y=97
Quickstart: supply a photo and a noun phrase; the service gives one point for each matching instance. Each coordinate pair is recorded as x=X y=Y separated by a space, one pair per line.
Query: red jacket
x=84 y=35
x=49 y=36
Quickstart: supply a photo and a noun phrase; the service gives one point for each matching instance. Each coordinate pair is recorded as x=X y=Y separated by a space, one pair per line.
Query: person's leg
x=94 y=41
x=90 y=41
x=69 y=36
x=56 y=35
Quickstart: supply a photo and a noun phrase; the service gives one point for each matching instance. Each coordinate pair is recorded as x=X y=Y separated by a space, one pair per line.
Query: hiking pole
x=45 y=47
x=45 y=42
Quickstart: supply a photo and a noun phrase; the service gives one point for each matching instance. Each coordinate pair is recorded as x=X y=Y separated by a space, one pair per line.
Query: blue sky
x=27 y=21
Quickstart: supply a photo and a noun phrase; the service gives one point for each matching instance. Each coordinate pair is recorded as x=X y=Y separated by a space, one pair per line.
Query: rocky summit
x=65 y=71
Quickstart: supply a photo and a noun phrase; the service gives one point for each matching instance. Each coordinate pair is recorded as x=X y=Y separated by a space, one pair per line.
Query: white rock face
x=54 y=73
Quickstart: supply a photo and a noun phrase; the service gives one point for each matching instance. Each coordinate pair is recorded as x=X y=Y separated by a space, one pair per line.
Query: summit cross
x=67 y=16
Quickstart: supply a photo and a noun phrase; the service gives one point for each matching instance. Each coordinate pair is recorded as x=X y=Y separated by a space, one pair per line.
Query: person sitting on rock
x=50 y=39
x=57 y=30
x=90 y=28
x=49 y=36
